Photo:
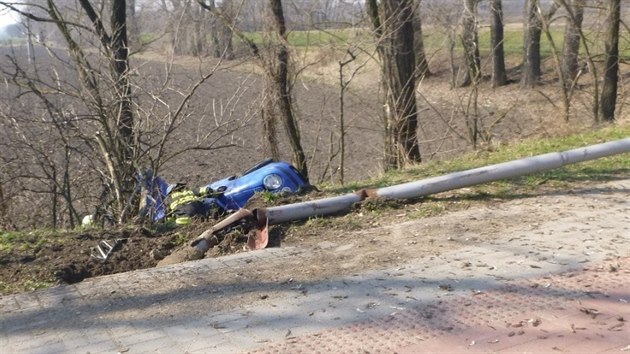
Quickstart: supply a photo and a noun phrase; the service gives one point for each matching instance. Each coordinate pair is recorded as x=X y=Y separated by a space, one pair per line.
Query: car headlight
x=272 y=181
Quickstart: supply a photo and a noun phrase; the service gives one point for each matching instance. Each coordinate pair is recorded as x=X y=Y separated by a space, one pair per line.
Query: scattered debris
x=616 y=327
x=516 y=324
x=592 y=312
x=575 y=329
x=370 y=305
x=535 y=322
x=105 y=248
x=157 y=254
x=446 y=287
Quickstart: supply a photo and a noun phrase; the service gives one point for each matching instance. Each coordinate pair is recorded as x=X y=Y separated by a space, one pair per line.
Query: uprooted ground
x=376 y=228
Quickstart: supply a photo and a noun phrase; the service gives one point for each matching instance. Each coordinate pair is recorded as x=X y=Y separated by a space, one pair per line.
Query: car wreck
x=224 y=199
x=261 y=219
x=176 y=202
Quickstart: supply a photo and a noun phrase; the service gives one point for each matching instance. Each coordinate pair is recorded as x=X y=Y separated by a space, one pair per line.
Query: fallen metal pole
x=504 y=170
x=304 y=210
x=516 y=168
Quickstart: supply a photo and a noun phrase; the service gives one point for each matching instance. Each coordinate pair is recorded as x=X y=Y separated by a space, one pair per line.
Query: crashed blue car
x=228 y=194
x=271 y=176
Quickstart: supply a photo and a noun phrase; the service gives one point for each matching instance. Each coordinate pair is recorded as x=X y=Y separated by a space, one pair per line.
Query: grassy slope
x=597 y=170
x=436 y=40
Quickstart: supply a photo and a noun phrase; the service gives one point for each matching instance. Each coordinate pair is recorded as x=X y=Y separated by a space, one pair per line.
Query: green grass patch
x=26 y=241
x=437 y=40
x=13 y=41
x=603 y=169
x=147 y=38
x=313 y=38
x=179 y=239
x=512 y=42
x=318 y=38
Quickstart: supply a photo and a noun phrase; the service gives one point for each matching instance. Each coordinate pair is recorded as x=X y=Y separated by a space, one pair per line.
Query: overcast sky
x=5 y=17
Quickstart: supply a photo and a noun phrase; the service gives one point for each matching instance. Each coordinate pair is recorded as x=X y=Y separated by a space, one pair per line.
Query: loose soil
x=376 y=233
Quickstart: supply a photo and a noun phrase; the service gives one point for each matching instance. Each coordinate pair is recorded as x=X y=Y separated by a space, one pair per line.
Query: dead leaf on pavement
x=592 y=312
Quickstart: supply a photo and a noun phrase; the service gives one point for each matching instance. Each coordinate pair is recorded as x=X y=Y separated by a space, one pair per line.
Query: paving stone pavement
x=560 y=287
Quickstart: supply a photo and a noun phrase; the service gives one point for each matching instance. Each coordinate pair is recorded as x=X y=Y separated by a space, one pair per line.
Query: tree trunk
x=4 y=210
x=531 y=44
x=611 y=63
x=269 y=122
x=226 y=30
x=470 y=42
x=572 y=40
x=422 y=64
x=30 y=48
x=277 y=98
x=125 y=122
x=198 y=33
x=282 y=88
x=133 y=32
x=499 y=76
x=215 y=23
x=221 y=29
x=393 y=27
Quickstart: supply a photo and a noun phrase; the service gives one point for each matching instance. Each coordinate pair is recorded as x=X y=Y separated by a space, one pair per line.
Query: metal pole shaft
x=503 y=170
x=327 y=206
x=304 y=210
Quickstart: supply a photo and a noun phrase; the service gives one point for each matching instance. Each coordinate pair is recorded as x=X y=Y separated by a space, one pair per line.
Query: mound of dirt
x=180 y=255
x=68 y=257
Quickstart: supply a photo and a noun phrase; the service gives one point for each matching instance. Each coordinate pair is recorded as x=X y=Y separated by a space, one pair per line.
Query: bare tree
x=611 y=63
x=470 y=43
x=422 y=63
x=220 y=32
x=119 y=154
x=532 y=23
x=80 y=130
x=117 y=139
x=393 y=30
x=444 y=15
x=275 y=62
x=282 y=93
x=344 y=83
x=572 y=32
x=188 y=27
x=133 y=28
x=499 y=76
x=565 y=87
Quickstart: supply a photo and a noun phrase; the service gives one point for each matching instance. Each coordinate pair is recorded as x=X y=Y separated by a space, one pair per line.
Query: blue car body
x=269 y=175
x=232 y=193
x=154 y=201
